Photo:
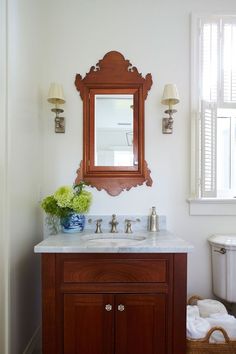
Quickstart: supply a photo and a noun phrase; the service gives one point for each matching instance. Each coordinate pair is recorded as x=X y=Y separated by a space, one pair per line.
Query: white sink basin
x=110 y=239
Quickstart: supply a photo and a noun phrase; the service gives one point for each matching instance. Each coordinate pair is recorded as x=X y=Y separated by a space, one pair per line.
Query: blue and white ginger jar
x=73 y=223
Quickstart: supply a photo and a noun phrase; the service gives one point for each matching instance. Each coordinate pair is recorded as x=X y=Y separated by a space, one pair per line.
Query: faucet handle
x=113 y=218
x=129 y=224
x=98 y=225
x=128 y=229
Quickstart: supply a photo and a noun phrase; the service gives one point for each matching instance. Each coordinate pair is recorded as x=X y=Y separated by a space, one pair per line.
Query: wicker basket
x=203 y=346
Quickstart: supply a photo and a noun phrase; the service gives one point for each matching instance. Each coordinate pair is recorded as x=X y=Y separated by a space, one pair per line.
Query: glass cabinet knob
x=121 y=308
x=108 y=307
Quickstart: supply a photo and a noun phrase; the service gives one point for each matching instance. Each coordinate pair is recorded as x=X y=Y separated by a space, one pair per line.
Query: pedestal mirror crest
x=113 y=94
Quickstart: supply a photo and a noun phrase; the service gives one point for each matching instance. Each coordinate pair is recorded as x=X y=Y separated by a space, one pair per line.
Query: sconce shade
x=170 y=95
x=56 y=94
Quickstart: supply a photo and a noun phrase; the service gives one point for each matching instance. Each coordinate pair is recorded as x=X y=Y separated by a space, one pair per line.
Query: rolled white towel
x=225 y=321
x=197 y=328
x=192 y=312
x=222 y=317
x=209 y=306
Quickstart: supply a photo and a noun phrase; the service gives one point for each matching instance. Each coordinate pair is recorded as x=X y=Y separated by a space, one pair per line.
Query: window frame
x=199 y=205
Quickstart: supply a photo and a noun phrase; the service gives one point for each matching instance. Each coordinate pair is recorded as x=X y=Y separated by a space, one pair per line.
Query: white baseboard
x=34 y=345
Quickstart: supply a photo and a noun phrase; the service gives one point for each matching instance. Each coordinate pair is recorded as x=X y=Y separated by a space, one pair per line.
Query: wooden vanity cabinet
x=114 y=303
x=133 y=324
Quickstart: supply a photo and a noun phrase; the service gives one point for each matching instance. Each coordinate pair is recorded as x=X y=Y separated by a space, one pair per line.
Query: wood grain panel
x=115 y=271
x=114 y=288
x=88 y=326
x=141 y=326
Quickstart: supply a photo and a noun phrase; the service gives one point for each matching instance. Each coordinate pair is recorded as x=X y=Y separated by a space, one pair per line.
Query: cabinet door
x=88 y=324
x=140 y=324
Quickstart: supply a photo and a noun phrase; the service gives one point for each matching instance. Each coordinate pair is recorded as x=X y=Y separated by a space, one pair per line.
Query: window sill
x=212 y=206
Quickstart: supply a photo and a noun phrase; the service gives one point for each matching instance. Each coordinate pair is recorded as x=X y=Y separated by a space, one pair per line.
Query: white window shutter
x=229 y=63
x=208 y=149
x=209 y=60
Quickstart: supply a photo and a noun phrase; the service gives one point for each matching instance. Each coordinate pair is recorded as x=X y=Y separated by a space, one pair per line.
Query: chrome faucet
x=114 y=224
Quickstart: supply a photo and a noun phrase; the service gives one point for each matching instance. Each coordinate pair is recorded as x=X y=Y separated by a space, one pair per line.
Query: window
x=214 y=105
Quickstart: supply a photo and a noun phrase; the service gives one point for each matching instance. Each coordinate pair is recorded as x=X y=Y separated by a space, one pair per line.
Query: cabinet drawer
x=123 y=270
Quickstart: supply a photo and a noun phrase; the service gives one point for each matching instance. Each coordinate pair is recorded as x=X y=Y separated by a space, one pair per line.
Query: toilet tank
x=223 y=255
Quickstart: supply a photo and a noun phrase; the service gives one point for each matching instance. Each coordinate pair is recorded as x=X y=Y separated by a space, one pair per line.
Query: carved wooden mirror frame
x=113 y=74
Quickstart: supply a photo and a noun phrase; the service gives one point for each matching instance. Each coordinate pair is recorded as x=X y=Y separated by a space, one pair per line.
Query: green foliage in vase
x=67 y=200
x=80 y=203
x=64 y=196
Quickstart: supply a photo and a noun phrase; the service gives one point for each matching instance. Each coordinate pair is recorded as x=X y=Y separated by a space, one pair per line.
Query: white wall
x=155 y=36
x=3 y=182
x=24 y=134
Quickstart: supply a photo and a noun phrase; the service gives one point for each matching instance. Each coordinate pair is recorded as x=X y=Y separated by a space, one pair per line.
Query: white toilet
x=223 y=251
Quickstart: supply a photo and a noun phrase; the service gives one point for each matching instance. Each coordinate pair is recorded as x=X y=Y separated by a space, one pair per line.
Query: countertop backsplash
x=142 y=224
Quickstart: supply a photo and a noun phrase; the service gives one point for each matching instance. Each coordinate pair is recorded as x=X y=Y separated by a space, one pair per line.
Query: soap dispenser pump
x=153 y=224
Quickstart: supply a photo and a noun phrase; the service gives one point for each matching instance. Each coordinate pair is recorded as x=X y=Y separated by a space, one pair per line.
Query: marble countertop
x=138 y=242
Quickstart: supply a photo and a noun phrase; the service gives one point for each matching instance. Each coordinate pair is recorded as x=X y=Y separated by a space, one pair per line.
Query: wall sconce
x=170 y=97
x=56 y=97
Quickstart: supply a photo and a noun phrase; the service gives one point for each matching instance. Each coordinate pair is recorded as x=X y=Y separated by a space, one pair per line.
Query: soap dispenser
x=153 y=222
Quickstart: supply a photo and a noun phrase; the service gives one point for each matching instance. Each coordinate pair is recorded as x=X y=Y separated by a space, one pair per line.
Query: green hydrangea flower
x=64 y=196
x=66 y=200
x=49 y=205
x=81 y=203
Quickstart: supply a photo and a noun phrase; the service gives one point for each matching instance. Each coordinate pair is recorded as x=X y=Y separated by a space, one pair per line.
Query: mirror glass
x=114 y=117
